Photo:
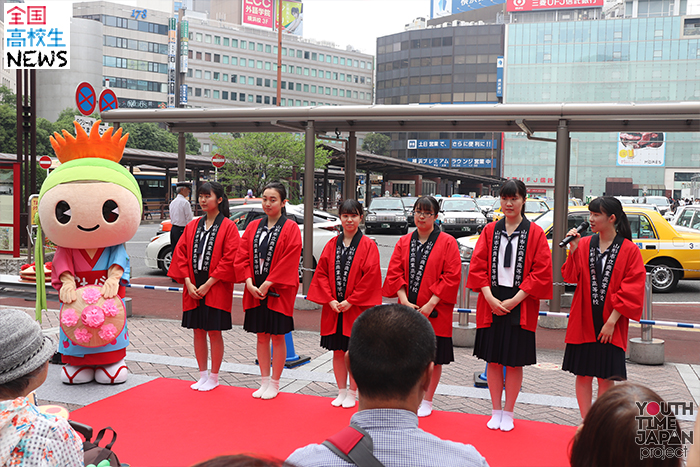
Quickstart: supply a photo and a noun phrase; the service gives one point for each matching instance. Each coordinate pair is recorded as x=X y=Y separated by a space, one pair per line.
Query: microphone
x=582 y=227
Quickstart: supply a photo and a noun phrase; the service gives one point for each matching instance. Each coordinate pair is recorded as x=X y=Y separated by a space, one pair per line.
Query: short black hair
x=390 y=348
x=427 y=203
x=217 y=190
x=350 y=206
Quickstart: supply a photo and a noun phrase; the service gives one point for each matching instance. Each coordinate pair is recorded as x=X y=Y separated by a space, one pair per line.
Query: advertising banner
x=440 y=8
x=259 y=13
x=433 y=162
x=292 y=17
x=37 y=35
x=474 y=163
x=499 y=76
x=641 y=149
x=428 y=143
x=531 y=5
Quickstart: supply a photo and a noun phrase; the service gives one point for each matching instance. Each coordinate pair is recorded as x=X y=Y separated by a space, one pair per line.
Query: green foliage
x=376 y=143
x=7 y=96
x=152 y=137
x=255 y=159
x=192 y=146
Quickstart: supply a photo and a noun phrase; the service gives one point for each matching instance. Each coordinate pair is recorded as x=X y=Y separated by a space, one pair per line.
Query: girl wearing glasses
x=511 y=268
x=424 y=273
x=345 y=283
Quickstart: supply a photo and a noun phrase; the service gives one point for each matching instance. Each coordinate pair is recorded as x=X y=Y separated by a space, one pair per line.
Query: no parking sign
x=85 y=98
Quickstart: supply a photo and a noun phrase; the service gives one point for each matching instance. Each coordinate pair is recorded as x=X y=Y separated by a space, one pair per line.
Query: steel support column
x=351 y=168
x=309 y=203
x=181 y=155
x=561 y=205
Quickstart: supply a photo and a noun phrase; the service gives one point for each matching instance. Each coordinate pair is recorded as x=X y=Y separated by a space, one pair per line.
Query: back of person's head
x=216 y=189
x=240 y=460
x=24 y=352
x=391 y=346
x=427 y=204
x=350 y=206
x=609 y=205
x=609 y=433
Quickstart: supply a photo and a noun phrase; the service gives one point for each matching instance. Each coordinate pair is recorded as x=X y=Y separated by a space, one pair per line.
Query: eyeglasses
x=422 y=214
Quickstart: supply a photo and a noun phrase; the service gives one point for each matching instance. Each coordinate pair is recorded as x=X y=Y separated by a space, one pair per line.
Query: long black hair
x=281 y=190
x=514 y=187
x=216 y=189
x=609 y=205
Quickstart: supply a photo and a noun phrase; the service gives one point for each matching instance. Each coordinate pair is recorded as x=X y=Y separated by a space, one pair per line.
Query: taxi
x=533 y=209
x=669 y=255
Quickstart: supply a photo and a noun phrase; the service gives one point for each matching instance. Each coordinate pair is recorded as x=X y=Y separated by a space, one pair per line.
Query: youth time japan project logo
x=658 y=433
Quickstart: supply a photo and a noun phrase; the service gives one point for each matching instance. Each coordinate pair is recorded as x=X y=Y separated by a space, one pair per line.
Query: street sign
x=218 y=161
x=45 y=162
x=108 y=100
x=85 y=98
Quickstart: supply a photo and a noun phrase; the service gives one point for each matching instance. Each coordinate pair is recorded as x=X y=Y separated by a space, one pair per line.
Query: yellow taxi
x=533 y=209
x=668 y=254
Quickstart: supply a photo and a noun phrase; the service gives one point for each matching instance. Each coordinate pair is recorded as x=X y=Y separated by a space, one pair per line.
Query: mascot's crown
x=107 y=146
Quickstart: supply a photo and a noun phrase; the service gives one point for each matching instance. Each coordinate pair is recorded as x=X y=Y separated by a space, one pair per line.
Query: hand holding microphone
x=573 y=234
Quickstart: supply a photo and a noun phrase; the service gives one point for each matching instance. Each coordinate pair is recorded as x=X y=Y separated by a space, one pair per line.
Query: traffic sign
x=108 y=100
x=85 y=98
x=45 y=162
x=218 y=161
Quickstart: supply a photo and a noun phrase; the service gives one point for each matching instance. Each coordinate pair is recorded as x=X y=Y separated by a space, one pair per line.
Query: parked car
x=661 y=202
x=669 y=254
x=460 y=216
x=627 y=199
x=487 y=204
x=159 y=252
x=386 y=213
x=408 y=202
x=687 y=217
x=167 y=225
x=533 y=209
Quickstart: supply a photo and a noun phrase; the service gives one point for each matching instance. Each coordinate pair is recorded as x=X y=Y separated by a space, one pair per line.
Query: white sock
x=263 y=385
x=203 y=377
x=507 y=421
x=495 y=422
x=338 y=401
x=350 y=399
x=272 y=390
x=425 y=409
x=211 y=383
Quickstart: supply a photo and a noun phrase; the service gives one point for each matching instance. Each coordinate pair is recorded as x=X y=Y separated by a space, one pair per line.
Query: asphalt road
x=687 y=291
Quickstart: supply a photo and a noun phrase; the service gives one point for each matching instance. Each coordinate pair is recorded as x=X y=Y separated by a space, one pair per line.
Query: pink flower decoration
x=110 y=308
x=83 y=335
x=93 y=316
x=108 y=332
x=91 y=296
x=69 y=317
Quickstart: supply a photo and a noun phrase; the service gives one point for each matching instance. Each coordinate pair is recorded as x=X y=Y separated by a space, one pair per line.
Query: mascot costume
x=89 y=207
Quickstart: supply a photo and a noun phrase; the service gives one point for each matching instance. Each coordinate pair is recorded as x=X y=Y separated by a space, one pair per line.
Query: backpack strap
x=353 y=445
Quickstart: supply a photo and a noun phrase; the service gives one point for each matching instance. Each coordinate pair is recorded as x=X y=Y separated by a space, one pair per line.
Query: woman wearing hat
x=27 y=436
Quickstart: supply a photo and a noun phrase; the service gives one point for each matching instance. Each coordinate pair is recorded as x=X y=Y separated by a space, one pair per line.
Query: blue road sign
x=108 y=100
x=85 y=98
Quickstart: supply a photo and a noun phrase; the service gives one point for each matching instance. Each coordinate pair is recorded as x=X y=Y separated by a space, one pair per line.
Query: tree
x=7 y=96
x=255 y=159
x=377 y=143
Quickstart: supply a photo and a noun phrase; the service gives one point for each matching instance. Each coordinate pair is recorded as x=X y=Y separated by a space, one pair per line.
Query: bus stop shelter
x=533 y=119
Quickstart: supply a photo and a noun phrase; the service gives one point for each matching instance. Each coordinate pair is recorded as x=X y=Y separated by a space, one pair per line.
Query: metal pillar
x=368 y=189
x=648 y=312
x=561 y=180
x=181 y=156
x=309 y=163
x=351 y=168
x=326 y=189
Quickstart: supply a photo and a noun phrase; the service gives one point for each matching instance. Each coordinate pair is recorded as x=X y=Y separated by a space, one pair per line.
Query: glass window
x=306 y=88
x=313 y=89
x=216 y=76
x=260 y=47
x=207 y=57
x=207 y=93
x=244 y=44
x=241 y=96
x=328 y=75
x=313 y=72
x=234 y=96
x=250 y=98
x=335 y=60
x=216 y=94
x=259 y=81
x=198 y=74
x=217 y=58
x=234 y=60
x=224 y=59
x=306 y=71
x=251 y=45
x=321 y=57
x=234 y=78
x=284 y=51
x=225 y=77
x=234 y=43
x=226 y=41
x=251 y=81
x=198 y=37
x=314 y=56
x=268 y=48
x=259 y=64
x=268 y=65
x=328 y=58
x=251 y=63
x=198 y=92
x=217 y=40
x=244 y=62
x=300 y=54
x=207 y=38
x=342 y=60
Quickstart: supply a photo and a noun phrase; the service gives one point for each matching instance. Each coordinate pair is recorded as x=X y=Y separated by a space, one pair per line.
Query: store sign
x=474 y=163
x=37 y=36
x=532 y=5
x=645 y=149
x=474 y=144
x=258 y=13
x=440 y=8
x=499 y=77
x=428 y=144
x=433 y=162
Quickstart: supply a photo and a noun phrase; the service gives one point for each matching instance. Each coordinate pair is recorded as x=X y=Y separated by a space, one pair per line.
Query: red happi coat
x=284 y=267
x=226 y=245
x=441 y=277
x=625 y=293
x=362 y=289
x=537 y=277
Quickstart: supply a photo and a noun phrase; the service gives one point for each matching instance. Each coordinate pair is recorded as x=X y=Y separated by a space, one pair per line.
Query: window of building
x=207 y=92
x=244 y=62
x=234 y=60
x=328 y=91
x=335 y=91
x=251 y=81
x=313 y=72
x=292 y=52
x=274 y=50
x=259 y=81
x=335 y=76
x=354 y=94
x=335 y=60
x=267 y=100
x=226 y=42
x=300 y=54
x=197 y=92
x=190 y=54
x=234 y=43
x=198 y=55
x=234 y=96
x=207 y=75
x=198 y=74
x=198 y=37
x=251 y=63
x=207 y=57
x=321 y=57
x=241 y=96
x=298 y=86
x=268 y=48
x=258 y=99
x=267 y=82
x=362 y=65
x=314 y=56
x=362 y=95
x=217 y=58
x=259 y=64
x=205 y=147
x=242 y=79
x=283 y=101
x=244 y=44
x=217 y=40
x=260 y=47
x=251 y=45
x=234 y=78
x=224 y=59
x=189 y=72
x=342 y=92
x=328 y=75
x=306 y=88
x=250 y=98
x=268 y=66
x=306 y=55
x=207 y=38
x=216 y=94
x=216 y=76
x=328 y=58
x=313 y=89
x=225 y=77
x=284 y=51
x=342 y=60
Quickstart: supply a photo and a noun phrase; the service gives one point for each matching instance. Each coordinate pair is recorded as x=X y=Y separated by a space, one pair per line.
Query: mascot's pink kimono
x=89 y=207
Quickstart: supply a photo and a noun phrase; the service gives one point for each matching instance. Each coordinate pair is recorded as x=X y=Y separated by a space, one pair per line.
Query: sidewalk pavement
x=162 y=348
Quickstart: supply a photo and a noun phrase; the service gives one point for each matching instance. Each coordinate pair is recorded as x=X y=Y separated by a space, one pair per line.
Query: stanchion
x=647 y=350
x=293 y=360
x=463 y=332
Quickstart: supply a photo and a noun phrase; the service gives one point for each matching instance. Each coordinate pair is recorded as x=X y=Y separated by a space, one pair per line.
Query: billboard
x=37 y=35
x=532 y=5
x=646 y=149
x=258 y=13
x=292 y=17
x=440 y=8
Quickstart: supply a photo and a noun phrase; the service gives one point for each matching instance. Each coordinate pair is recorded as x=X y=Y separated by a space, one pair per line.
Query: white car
x=460 y=216
x=687 y=218
x=159 y=253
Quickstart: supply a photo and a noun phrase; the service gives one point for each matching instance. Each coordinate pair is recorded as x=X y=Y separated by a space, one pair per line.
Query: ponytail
x=623 y=226
x=609 y=206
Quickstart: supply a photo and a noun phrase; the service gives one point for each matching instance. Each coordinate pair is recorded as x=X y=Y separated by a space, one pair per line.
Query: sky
x=359 y=22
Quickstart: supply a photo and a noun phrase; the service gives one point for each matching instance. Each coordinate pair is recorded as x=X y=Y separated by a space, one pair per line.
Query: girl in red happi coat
x=511 y=268
x=346 y=284
x=610 y=274
x=203 y=262
x=424 y=273
x=268 y=262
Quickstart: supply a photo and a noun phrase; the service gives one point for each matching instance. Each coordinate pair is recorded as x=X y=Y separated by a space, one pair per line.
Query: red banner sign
x=530 y=5
x=258 y=13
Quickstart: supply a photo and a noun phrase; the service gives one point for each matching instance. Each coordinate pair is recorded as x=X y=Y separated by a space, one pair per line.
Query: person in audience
x=29 y=438
x=610 y=434
x=240 y=460
x=392 y=377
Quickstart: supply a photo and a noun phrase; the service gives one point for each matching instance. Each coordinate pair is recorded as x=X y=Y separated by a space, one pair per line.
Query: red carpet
x=164 y=423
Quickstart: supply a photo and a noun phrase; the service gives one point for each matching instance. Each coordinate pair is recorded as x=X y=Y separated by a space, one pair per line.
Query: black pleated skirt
x=505 y=343
x=605 y=361
x=263 y=320
x=206 y=318
x=445 y=351
x=336 y=341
